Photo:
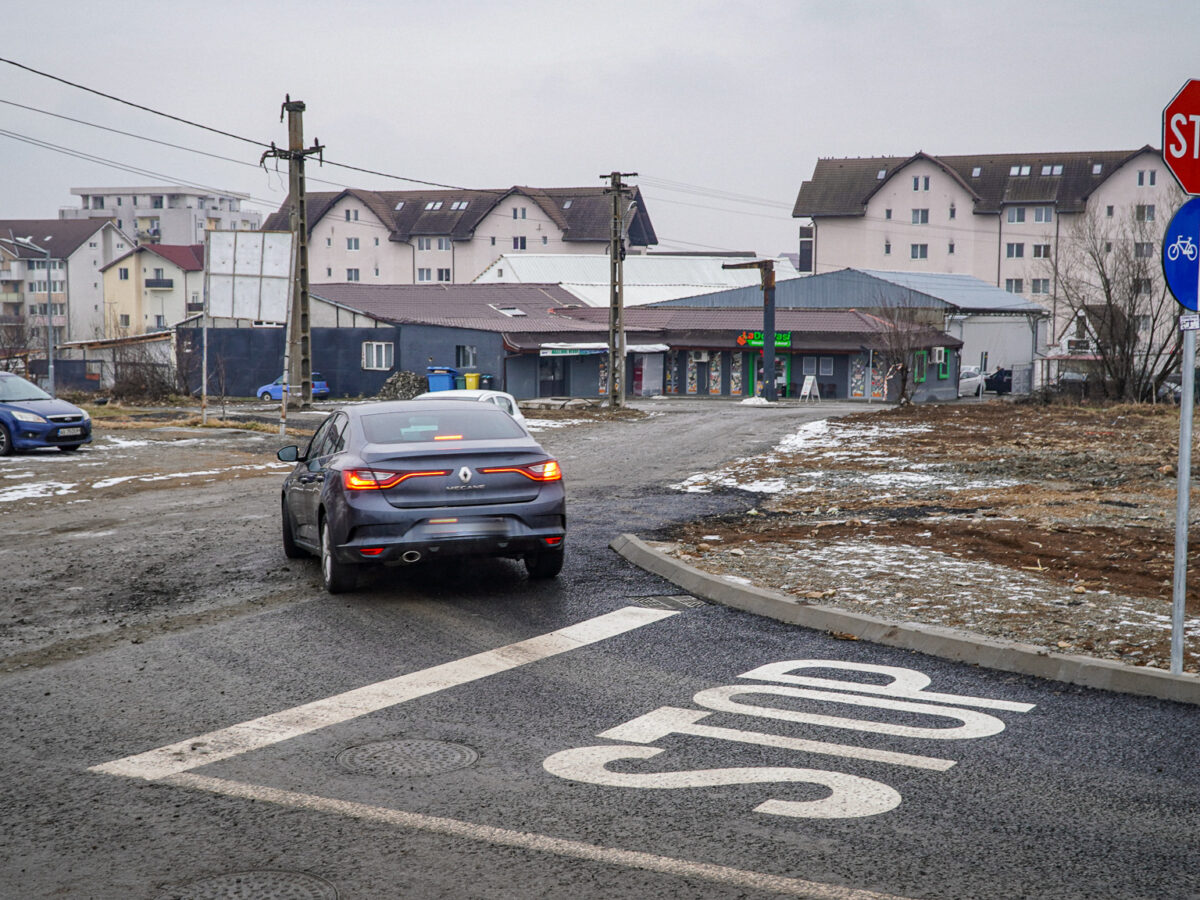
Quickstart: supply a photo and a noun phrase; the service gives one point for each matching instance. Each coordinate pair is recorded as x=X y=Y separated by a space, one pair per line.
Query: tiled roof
x=66 y=235
x=583 y=214
x=842 y=187
x=189 y=257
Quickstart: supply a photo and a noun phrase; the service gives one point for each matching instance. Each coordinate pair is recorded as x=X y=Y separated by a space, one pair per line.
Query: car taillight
x=543 y=471
x=370 y=479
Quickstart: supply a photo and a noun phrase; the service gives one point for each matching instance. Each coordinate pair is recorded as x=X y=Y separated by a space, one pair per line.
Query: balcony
x=160 y=284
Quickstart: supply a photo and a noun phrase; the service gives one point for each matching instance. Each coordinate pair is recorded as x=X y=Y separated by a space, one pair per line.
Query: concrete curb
x=948 y=643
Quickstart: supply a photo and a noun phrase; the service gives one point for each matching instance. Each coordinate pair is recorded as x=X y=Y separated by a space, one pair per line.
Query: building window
x=466 y=356
x=920 y=182
x=826 y=365
x=424 y=243
x=1016 y=171
x=376 y=242
x=919 y=251
x=459 y=204
x=516 y=211
x=1014 y=251
x=1143 y=249
x=1141 y=323
x=377 y=271
x=352 y=215
x=887 y=248
x=400 y=206
x=519 y=243
x=1014 y=285
x=351 y=243
x=123 y=274
x=1108 y=212
x=1041 y=251
x=920 y=217
x=1043 y=213
x=916 y=182
x=887 y=213
x=328 y=242
x=124 y=320
x=352 y=274
x=443 y=274
x=950 y=248
x=976 y=172
x=881 y=174
x=443 y=243
x=1146 y=177
x=377 y=355
x=493 y=240
x=1052 y=170
x=424 y=274
x=1039 y=286
x=1144 y=213
x=545 y=240
x=953 y=211
x=1143 y=285
x=1016 y=214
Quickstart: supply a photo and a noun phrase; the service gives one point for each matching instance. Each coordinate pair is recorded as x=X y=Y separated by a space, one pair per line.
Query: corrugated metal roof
x=866 y=289
x=646 y=278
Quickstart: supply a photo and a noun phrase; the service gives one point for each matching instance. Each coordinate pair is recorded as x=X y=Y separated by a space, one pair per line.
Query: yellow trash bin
x=472 y=379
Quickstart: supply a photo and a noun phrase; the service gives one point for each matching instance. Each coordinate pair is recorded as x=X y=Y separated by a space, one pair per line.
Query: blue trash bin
x=441 y=378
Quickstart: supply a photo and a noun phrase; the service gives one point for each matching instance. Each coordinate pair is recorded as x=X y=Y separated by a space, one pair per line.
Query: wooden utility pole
x=616 y=271
x=299 y=352
x=766 y=268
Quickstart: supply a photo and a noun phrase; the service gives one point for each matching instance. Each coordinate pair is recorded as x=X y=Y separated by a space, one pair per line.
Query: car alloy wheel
x=265 y=395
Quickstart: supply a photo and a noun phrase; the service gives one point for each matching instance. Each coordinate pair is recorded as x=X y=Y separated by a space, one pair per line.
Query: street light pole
x=28 y=243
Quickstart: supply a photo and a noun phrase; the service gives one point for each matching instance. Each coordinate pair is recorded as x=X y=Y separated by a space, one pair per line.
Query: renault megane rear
x=399 y=482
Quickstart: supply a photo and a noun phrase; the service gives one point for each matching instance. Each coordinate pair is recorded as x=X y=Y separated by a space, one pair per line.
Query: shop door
x=552 y=378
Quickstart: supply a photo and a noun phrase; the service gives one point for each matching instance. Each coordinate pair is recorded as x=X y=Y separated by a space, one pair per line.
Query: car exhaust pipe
x=410 y=556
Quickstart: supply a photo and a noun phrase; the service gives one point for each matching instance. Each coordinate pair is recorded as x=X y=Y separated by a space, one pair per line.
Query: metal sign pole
x=1183 y=485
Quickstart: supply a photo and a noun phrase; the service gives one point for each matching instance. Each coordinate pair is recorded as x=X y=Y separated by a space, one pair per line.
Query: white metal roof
x=646 y=278
x=963 y=291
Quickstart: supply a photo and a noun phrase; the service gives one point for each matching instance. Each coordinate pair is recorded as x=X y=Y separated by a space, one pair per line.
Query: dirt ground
x=1048 y=524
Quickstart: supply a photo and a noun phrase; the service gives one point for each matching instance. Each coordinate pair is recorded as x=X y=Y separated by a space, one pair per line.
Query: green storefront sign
x=783 y=339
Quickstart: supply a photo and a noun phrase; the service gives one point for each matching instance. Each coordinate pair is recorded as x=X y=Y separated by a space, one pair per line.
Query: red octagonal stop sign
x=1181 y=136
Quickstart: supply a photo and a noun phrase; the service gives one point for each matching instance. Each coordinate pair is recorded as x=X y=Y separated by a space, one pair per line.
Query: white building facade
x=169 y=214
x=1000 y=218
x=450 y=237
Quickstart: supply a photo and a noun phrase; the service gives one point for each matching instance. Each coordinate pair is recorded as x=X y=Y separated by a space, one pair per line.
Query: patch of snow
x=38 y=489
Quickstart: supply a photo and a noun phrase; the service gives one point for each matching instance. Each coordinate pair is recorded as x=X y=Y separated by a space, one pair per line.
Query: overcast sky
x=721 y=107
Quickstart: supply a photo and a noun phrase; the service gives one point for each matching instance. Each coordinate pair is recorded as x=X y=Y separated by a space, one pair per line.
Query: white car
x=506 y=402
x=970 y=382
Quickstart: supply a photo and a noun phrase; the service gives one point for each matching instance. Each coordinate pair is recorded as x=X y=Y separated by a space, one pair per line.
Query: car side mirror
x=289 y=454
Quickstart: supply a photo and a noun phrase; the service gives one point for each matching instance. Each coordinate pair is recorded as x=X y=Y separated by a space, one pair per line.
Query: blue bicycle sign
x=1181 y=254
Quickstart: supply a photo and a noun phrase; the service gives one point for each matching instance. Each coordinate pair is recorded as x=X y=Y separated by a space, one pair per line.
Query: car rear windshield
x=482 y=424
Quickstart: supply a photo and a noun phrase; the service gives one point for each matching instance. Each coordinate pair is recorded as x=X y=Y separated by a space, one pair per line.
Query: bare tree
x=1111 y=297
x=16 y=339
x=904 y=330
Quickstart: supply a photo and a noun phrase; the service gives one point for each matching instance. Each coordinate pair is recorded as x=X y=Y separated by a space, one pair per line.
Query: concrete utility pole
x=767 y=268
x=616 y=312
x=299 y=352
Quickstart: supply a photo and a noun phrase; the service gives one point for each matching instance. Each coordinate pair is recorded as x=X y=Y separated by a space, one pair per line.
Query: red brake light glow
x=543 y=471
x=369 y=479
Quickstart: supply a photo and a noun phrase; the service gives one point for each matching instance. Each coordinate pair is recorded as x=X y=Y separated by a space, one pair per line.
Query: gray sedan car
x=397 y=483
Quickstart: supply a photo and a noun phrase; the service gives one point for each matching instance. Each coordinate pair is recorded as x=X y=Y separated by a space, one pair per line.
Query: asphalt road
x=438 y=732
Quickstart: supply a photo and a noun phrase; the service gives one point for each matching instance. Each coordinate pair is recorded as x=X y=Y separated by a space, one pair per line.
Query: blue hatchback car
x=274 y=390
x=31 y=418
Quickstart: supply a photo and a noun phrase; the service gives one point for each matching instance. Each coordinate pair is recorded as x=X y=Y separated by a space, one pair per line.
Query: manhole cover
x=675 y=601
x=259 y=885
x=407 y=757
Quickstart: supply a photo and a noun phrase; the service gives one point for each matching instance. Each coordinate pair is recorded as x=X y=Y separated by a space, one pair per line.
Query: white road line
x=276 y=727
x=681 y=868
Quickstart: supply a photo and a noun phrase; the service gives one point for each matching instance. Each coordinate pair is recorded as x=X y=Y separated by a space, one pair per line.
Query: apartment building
x=65 y=256
x=998 y=217
x=451 y=236
x=152 y=287
x=169 y=214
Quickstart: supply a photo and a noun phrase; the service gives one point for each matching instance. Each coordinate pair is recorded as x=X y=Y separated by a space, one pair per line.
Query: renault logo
x=464 y=474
